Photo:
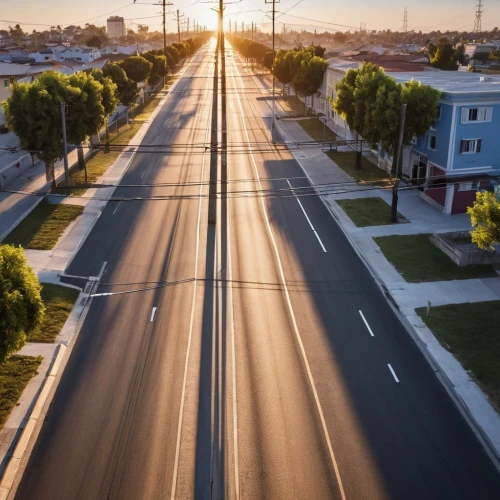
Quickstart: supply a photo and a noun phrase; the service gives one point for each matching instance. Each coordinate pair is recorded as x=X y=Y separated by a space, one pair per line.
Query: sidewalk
x=422 y=218
x=14 y=207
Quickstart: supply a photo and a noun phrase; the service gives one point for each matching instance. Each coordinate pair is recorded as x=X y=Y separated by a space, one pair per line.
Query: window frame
x=477 y=142
x=430 y=141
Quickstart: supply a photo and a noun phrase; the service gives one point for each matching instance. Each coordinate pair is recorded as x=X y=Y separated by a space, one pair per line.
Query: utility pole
x=274 y=78
x=178 y=26
x=65 y=144
x=252 y=31
x=397 y=169
x=164 y=4
x=188 y=27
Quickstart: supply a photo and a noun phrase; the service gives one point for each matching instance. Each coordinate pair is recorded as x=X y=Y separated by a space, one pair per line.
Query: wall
x=488 y=132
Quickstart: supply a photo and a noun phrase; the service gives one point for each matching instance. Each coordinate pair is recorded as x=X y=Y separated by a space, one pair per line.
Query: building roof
x=454 y=82
x=390 y=63
x=11 y=69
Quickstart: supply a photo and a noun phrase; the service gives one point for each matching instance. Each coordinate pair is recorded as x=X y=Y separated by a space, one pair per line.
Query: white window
x=432 y=142
x=439 y=110
x=470 y=146
x=468 y=186
x=473 y=115
x=414 y=140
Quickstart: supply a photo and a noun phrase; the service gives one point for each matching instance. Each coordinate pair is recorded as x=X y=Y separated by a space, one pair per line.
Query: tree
x=33 y=113
x=282 y=68
x=94 y=41
x=485 y=217
x=110 y=98
x=136 y=68
x=126 y=88
x=21 y=305
x=181 y=48
x=267 y=60
x=309 y=76
x=445 y=56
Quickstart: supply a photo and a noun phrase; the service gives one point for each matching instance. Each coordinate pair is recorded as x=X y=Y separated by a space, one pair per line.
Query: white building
x=116 y=27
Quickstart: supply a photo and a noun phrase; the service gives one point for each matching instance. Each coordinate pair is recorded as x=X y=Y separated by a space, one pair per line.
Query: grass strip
x=41 y=229
x=418 y=260
x=15 y=373
x=368 y=211
x=59 y=301
x=470 y=333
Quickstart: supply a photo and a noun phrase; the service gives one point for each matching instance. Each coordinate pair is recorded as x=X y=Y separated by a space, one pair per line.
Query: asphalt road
x=264 y=383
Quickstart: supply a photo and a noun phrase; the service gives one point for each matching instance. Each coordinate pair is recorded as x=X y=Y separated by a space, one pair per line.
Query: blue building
x=461 y=152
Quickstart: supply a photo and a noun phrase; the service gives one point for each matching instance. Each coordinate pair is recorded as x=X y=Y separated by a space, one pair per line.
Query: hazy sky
x=425 y=15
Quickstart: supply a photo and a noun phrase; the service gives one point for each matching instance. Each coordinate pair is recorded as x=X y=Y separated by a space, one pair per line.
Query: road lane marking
x=153 y=312
x=366 y=323
x=191 y=321
x=116 y=208
x=142 y=175
x=289 y=302
x=393 y=373
x=307 y=217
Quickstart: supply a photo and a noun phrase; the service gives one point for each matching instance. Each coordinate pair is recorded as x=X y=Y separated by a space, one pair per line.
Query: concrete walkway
x=423 y=218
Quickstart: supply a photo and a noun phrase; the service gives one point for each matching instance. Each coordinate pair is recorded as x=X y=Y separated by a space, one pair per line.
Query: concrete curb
x=36 y=413
x=441 y=375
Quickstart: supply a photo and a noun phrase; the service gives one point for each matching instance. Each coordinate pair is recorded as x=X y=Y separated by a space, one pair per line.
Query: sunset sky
x=426 y=15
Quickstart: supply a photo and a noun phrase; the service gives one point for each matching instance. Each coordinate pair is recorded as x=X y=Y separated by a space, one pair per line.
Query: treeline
x=33 y=110
x=302 y=67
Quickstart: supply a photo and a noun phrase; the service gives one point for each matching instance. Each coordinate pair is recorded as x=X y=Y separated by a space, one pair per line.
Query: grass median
x=317 y=129
x=368 y=211
x=59 y=301
x=41 y=229
x=15 y=373
x=369 y=172
x=470 y=333
x=418 y=260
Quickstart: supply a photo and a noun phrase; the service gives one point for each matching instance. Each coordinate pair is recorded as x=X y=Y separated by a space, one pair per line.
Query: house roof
x=454 y=82
x=11 y=69
x=390 y=63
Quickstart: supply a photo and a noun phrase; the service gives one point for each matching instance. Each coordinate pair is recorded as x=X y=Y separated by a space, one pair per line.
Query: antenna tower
x=479 y=15
x=405 y=20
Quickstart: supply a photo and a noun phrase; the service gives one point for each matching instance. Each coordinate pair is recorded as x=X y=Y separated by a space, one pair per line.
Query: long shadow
x=419 y=441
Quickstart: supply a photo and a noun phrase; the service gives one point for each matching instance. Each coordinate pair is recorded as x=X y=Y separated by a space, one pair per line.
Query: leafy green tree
x=94 y=41
x=485 y=217
x=181 y=48
x=445 y=56
x=267 y=60
x=309 y=76
x=21 y=305
x=126 y=88
x=33 y=113
x=173 y=57
x=136 y=68
x=282 y=68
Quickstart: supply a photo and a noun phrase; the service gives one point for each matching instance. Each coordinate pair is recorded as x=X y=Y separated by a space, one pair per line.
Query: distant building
x=116 y=27
x=472 y=49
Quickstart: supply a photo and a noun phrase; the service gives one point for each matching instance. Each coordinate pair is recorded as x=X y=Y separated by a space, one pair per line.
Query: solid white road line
x=191 y=321
x=233 y=355
x=116 y=208
x=153 y=312
x=393 y=373
x=308 y=220
x=289 y=302
x=366 y=323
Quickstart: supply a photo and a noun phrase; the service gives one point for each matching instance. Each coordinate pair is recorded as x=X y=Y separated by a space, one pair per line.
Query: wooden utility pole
x=164 y=4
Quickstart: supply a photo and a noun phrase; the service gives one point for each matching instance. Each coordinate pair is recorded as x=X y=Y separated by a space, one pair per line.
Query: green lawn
x=368 y=172
x=314 y=127
x=417 y=260
x=59 y=301
x=368 y=211
x=471 y=333
x=41 y=229
x=15 y=373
